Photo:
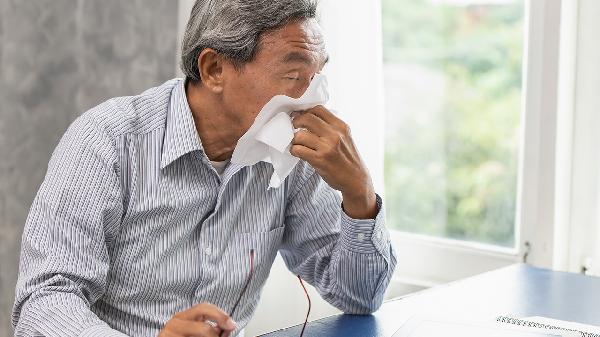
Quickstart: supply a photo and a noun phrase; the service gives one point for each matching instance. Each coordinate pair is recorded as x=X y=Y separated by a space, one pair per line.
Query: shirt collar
x=181 y=136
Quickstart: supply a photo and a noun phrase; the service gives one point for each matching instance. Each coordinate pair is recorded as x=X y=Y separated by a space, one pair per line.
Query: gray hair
x=233 y=28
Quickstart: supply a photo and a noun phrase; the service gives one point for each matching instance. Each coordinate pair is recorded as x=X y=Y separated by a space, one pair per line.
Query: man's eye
x=293 y=78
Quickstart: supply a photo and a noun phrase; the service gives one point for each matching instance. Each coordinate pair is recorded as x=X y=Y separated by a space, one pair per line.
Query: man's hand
x=202 y=320
x=327 y=145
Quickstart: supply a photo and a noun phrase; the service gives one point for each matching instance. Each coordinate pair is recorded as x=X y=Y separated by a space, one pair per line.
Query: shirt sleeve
x=64 y=259
x=350 y=262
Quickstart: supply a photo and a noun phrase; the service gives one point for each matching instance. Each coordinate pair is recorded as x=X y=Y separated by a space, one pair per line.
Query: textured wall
x=58 y=58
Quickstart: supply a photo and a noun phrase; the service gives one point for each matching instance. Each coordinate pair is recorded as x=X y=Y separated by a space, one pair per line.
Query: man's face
x=285 y=62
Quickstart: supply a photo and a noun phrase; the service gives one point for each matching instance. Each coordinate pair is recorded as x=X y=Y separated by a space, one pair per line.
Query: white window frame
x=578 y=163
x=426 y=261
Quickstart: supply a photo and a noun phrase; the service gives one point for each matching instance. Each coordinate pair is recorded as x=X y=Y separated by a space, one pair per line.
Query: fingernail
x=230 y=324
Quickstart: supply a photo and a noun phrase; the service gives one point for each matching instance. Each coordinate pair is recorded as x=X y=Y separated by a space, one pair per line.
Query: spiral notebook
x=433 y=327
x=550 y=324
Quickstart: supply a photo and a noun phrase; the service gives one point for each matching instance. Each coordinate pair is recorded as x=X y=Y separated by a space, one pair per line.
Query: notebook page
x=429 y=328
x=564 y=324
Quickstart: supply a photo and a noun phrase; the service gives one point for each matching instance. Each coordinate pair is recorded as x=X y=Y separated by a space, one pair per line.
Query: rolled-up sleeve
x=64 y=258
x=350 y=262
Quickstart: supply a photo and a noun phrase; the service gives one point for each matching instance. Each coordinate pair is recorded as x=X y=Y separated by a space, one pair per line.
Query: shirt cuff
x=366 y=235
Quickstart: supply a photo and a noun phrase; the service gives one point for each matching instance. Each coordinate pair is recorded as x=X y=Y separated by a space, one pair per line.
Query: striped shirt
x=132 y=224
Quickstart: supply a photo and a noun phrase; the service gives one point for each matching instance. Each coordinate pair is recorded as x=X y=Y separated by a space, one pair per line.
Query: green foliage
x=458 y=179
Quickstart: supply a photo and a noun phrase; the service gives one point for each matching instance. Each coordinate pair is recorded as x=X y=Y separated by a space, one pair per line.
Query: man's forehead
x=295 y=40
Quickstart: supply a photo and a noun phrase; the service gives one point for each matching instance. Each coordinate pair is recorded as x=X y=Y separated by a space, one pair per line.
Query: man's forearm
x=59 y=314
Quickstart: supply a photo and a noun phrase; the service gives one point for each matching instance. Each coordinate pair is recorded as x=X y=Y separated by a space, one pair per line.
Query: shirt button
x=207 y=250
x=379 y=235
x=360 y=236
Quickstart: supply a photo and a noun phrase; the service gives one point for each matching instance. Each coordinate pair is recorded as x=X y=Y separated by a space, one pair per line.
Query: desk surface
x=519 y=290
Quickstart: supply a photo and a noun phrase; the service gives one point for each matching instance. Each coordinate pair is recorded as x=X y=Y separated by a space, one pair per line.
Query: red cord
x=248 y=282
x=309 y=305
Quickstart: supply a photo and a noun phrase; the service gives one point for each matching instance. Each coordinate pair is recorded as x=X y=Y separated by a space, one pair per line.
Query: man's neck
x=219 y=131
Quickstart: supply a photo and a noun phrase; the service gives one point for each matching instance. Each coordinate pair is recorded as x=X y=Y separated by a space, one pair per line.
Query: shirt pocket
x=227 y=282
x=264 y=246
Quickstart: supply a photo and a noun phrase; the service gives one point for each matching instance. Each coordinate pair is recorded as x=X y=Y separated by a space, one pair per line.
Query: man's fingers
x=215 y=314
x=312 y=123
x=182 y=327
x=307 y=139
x=304 y=153
x=324 y=114
x=207 y=311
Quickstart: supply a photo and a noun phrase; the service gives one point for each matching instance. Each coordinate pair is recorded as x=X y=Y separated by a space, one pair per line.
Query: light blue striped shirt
x=132 y=224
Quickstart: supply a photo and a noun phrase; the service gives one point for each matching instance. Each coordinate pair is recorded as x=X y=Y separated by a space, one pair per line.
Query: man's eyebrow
x=299 y=57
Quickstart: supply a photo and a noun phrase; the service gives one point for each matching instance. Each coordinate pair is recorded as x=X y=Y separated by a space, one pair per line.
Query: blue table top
x=518 y=290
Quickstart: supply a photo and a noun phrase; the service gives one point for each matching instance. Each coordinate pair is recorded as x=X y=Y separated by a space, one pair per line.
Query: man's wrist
x=361 y=205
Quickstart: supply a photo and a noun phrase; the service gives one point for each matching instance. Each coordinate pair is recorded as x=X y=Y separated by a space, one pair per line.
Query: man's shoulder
x=136 y=114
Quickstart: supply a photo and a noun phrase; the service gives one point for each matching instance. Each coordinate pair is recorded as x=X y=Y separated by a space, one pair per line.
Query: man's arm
x=349 y=261
x=64 y=259
x=340 y=246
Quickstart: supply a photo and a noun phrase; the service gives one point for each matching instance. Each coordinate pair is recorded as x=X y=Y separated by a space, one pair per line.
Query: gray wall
x=58 y=58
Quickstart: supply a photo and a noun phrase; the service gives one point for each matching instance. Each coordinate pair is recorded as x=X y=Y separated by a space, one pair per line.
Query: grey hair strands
x=233 y=28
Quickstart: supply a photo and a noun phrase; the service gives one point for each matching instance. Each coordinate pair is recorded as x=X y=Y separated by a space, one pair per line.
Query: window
x=452 y=81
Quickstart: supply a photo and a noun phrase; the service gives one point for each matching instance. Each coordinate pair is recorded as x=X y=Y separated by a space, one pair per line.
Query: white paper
x=270 y=136
x=433 y=328
x=564 y=324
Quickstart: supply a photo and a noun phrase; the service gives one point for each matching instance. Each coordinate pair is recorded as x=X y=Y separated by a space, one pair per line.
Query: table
x=519 y=290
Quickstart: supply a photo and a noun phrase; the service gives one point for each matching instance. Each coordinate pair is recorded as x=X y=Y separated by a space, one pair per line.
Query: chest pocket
x=226 y=287
x=264 y=245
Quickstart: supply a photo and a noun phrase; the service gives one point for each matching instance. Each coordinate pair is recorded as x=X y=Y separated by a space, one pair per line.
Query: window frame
x=426 y=260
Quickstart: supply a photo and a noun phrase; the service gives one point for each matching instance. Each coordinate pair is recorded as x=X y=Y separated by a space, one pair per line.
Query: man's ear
x=210 y=66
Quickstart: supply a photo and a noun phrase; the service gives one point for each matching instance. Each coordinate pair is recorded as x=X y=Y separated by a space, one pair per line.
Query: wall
x=58 y=58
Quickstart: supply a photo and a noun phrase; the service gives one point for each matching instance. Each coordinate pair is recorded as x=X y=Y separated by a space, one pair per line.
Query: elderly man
x=143 y=227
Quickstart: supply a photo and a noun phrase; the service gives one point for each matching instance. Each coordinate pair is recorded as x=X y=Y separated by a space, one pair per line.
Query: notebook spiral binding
x=521 y=322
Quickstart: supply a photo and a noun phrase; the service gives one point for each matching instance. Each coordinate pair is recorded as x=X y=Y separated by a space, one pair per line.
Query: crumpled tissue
x=270 y=136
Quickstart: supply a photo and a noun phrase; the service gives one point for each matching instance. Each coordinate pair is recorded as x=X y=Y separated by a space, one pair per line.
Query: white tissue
x=270 y=137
